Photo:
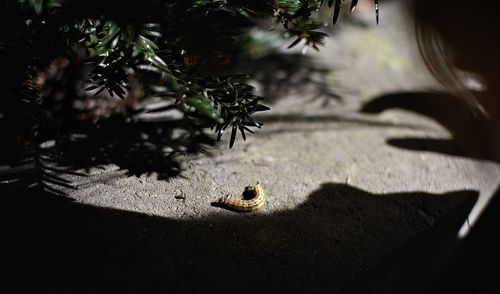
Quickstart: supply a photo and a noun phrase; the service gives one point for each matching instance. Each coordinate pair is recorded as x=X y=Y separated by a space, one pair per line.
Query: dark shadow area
x=471 y=131
x=280 y=75
x=437 y=262
x=135 y=147
x=340 y=232
x=58 y=129
x=139 y=147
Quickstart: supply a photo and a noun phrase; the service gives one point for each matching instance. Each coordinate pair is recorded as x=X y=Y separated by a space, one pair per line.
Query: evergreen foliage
x=64 y=62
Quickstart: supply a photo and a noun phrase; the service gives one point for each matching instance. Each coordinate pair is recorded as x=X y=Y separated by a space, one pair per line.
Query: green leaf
x=203 y=106
x=294 y=43
x=242 y=130
x=148 y=43
x=233 y=136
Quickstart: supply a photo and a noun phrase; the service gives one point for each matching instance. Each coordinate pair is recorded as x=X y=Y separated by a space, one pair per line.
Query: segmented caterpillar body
x=250 y=204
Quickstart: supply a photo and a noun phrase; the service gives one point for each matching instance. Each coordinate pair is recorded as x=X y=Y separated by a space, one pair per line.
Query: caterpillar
x=254 y=202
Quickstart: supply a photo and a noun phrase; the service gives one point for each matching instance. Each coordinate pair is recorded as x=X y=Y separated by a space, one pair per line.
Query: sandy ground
x=347 y=189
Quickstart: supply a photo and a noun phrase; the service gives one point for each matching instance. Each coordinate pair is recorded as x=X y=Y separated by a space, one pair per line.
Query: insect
x=253 y=198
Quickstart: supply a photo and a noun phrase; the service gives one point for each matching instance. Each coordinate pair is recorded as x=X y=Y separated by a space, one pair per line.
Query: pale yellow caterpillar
x=256 y=198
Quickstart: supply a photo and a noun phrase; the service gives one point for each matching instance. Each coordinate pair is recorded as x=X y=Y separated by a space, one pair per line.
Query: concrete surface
x=309 y=141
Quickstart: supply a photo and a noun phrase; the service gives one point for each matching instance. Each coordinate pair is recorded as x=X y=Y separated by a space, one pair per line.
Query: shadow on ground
x=52 y=127
x=136 y=148
x=280 y=75
x=294 y=122
x=470 y=130
x=436 y=262
x=444 y=265
x=339 y=233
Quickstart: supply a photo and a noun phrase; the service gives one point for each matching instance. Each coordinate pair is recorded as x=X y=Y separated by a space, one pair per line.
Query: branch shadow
x=47 y=141
x=294 y=122
x=470 y=130
x=135 y=147
x=320 y=246
x=281 y=74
